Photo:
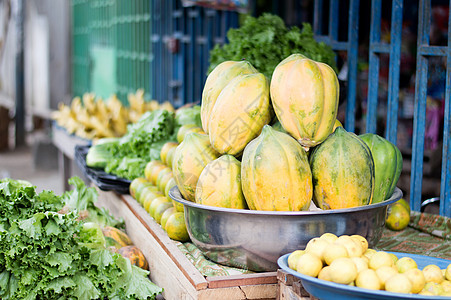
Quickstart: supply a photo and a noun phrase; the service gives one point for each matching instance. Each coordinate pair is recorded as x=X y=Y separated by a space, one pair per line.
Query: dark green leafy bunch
x=265 y=41
x=46 y=252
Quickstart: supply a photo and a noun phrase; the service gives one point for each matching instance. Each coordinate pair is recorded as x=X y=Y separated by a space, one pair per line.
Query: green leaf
x=60 y=259
x=59 y=285
x=84 y=289
x=101 y=258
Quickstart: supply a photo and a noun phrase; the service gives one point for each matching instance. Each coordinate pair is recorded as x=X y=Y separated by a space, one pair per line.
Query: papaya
x=190 y=158
x=304 y=94
x=135 y=255
x=120 y=238
x=275 y=173
x=343 y=171
x=219 y=184
x=387 y=165
x=221 y=75
x=239 y=114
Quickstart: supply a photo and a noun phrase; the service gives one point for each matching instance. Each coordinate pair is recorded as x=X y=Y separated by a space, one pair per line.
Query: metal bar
x=336 y=45
x=318 y=18
x=380 y=47
x=20 y=85
x=393 y=80
x=353 y=36
x=420 y=107
x=333 y=19
x=445 y=185
x=373 y=72
x=432 y=50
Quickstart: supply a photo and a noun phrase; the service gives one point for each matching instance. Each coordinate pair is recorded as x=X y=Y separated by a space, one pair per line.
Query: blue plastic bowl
x=322 y=289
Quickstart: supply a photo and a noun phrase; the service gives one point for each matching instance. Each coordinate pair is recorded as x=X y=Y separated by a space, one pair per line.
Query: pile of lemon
x=348 y=260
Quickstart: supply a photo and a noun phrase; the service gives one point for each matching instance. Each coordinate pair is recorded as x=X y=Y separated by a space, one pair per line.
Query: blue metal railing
x=424 y=51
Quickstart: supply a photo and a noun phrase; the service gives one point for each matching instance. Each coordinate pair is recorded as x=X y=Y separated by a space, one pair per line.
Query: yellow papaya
x=304 y=94
x=343 y=171
x=219 y=184
x=275 y=173
x=216 y=81
x=240 y=112
x=190 y=158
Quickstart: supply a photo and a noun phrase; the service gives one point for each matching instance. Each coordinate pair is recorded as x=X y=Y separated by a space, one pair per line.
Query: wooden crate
x=171 y=269
x=290 y=288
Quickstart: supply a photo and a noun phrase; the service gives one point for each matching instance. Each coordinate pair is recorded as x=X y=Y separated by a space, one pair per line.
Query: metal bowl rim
x=175 y=194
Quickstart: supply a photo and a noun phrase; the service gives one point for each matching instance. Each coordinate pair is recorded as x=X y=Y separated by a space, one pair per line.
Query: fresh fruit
x=120 y=237
x=369 y=252
x=134 y=185
x=353 y=247
x=150 y=166
x=363 y=241
x=398 y=217
x=405 y=263
x=169 y=185
x=343 y=171
x=360 y=263
x=387 y=165
x=343 y=270
x=190 y=158
x=317 y=247
x=165 y=216
x=380 y=259
x=176 y=227
x=448 y=273
x=330 y=237
x=170 y=157
x=324 y=274
x=294 y=257
x=333 y=252
x=304 y=95
x=398 y=283
x=309 y=264
x=220 y=77
x=404 y=203
x=239 y=114
x=135 y=255
x=282 y=184
x=149 y=197
x=148 y=189
x=185 y=129
x=163 y=178
x=368 y=279
x=432 y=288
x=337 y=124
x=432 y=273
x=165 y=150
x=417 y=279
x=219 y=184
x=140 y=188
x=384 y=273
x=160 y=210
x=155 y=203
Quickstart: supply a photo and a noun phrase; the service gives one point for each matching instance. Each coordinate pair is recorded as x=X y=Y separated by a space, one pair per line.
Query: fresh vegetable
x=135 y=255
x=304 y=95
x=266 y=41
x=188 y=115
x=100 y=154
x=387 y=165
x=217 y=81
x=275 y=173
x=343 y=171
x=239 y=114
x=119 y=236
x=219 y=184
x=48 y=252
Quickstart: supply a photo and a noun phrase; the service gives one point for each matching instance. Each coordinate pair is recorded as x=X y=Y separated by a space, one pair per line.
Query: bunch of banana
x=94 y=118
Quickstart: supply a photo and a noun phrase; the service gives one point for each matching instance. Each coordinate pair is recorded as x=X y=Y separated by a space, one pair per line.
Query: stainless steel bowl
x=254 y=240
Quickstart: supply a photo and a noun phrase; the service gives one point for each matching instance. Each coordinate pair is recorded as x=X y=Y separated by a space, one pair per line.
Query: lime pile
x=348 y=260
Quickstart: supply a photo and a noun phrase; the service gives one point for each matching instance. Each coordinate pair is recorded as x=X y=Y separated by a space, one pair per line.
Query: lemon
x=360 y=263
x=433 y=287
x=446 y=285
x=426 y=293
x=317 y=247
x=432 y=273
x=398 y=217
x=368 y=279
x=330 y=237
x=394 y=258
x=293 y=258
x=309 y=264
x=398 y=283
x=165 y=216
x=160 y=210
x=416 y=277
x=334 y=251
x=405 y=263
x=380 y=259
x=176 y=228
x=363 y=241
x=384 y=273
x=448 y=273
x=343 y=270
x=324 y=274
x=369 y=252
x=353 y=247
x=445 y=294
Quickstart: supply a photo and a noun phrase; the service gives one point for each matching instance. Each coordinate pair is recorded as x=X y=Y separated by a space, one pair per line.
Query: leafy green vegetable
x=188 y=115
x=46 y=252
x=266 y=41
x=99 y=154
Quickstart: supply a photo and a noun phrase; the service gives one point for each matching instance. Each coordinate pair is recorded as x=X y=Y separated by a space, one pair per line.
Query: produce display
x=348 y=260
x=128 y=155
x=53 y=247
x=93 y=118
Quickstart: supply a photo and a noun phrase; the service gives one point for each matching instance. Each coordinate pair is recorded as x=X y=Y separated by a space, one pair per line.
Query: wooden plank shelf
x=171 y=269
